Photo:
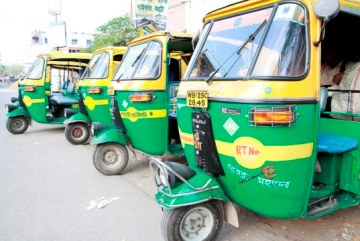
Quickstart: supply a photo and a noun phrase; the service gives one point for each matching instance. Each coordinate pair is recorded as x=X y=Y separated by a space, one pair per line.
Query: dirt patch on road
x=343 y=225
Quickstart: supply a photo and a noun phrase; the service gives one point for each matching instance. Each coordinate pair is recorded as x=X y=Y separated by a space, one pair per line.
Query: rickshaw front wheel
x=196 y=222
x=77 y=133
x=110 y=158
x=17 y=124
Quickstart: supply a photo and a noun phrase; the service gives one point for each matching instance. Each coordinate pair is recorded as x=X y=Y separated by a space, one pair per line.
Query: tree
x=2 y=68
x=13 y=70
x=117 y=32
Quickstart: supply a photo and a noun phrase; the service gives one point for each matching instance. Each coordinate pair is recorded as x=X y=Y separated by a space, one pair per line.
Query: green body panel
x=78 y=117
x=98 y=110
x=39 y=101
x=17 y=112
x=38 y=105
x=187 y=195
x=109 y=135
x=260 y=194
x=147 y=126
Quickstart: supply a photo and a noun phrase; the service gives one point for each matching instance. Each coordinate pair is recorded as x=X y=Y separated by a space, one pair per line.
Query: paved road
x=47 y=183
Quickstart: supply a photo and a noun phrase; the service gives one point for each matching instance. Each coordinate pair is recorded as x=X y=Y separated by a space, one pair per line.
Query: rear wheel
x=17 y=124
x=77 y=133
x=110 y=158
x=196 y=222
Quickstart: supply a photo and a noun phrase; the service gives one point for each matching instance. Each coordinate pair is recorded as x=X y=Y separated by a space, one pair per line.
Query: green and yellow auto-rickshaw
x=93 y=98
x=142 y=99
x=252 y=122
x=47 y=89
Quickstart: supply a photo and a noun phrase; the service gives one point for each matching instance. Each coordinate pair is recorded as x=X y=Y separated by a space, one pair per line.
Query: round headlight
x=7 y=108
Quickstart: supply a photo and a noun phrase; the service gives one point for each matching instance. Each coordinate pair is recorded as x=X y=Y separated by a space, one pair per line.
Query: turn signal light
x=29 y=88
x=272 y=116
x=141 y=97
x=95 y=91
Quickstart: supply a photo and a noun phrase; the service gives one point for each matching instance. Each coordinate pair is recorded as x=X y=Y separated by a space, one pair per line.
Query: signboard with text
x=150 y=15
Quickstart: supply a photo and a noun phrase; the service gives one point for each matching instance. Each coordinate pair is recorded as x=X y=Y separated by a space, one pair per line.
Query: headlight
x=14 y=99
x=10 y=107
x=69 y=112
x=168 y=178
x=163 y=177
x=96 y=127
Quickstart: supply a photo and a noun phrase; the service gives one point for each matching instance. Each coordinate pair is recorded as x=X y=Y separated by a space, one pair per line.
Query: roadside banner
x=149 y=15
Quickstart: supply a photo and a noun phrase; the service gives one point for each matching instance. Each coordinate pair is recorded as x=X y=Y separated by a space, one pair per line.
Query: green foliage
x=2 y=69
x=11 y=70
x=117 y=32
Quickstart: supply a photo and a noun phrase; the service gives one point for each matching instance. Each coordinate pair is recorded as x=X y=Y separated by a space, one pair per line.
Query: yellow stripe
x=253 y=89
x=91 y=103
x=94 y=82
x=28 y=101
x=37 y=82
x=251 y=153
x=133 y=114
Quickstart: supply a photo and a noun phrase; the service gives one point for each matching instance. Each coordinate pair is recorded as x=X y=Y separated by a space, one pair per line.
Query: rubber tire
x=12 y=120
x=171 y=220
x=102 y=167
x=69 y=131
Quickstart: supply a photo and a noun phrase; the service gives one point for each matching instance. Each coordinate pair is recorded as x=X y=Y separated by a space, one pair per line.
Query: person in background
x=332 y=68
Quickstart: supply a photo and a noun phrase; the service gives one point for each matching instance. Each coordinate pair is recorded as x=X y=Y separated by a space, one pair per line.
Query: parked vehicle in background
x=93 y=98
x=142 y=102
x=47 y=89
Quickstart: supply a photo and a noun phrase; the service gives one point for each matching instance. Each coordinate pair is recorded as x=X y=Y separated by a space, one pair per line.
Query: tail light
x=141 y=97
x=94 y=90
x=29 y=88
x=272 y=116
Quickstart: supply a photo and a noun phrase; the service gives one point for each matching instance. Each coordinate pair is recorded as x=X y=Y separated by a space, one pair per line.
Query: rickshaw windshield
x=141 y=61
x=36 y=69
x=268 y=43
x=98 y=68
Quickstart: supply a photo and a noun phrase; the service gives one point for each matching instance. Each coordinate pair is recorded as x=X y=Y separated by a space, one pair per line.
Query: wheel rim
x=78 y=133
x=18 y=124
x=196 y=224
x=111 y=157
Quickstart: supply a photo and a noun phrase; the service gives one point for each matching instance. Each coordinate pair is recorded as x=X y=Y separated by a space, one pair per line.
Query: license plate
x=196 y=98
x=111 y=90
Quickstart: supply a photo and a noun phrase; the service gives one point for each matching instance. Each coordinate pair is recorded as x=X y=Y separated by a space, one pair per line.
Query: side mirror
x=326 y=9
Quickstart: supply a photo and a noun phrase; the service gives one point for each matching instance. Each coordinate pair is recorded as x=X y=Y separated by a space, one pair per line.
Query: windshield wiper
x=238 y=51
x=132 y=65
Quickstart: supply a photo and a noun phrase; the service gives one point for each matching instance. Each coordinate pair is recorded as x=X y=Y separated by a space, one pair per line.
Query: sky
x=18 y=18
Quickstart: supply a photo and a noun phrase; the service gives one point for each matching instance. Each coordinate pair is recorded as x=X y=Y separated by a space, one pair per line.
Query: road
x=46 y=185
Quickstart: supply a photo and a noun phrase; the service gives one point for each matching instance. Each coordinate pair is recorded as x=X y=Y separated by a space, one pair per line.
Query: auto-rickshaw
x=142 y=100
x=254 y=122
x=93 y=98
x=47 y=89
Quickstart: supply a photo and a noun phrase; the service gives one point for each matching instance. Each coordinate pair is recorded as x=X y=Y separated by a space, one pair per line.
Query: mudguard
x=18 y=112
x=185 y=195
x=109 y=135
x=78 y=117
